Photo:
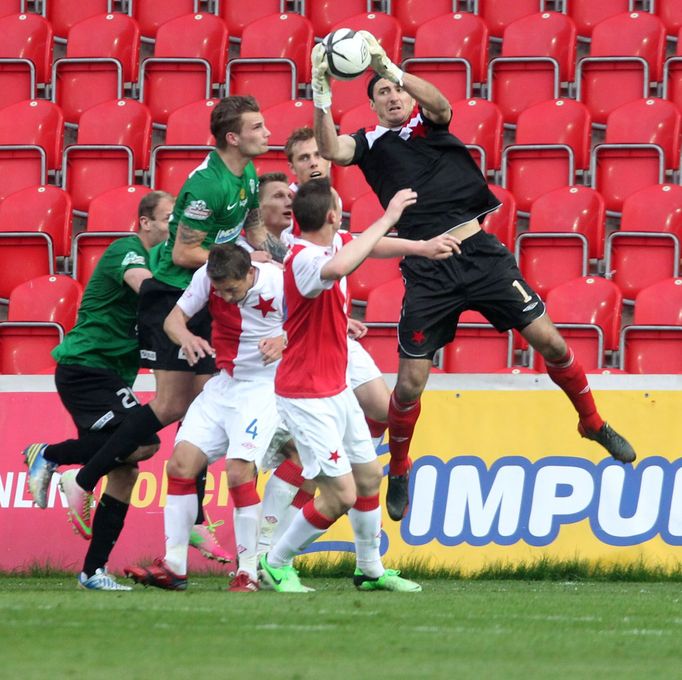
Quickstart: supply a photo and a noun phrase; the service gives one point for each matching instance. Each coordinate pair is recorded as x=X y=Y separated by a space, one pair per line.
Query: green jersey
x=212 y=200
x=105 y=332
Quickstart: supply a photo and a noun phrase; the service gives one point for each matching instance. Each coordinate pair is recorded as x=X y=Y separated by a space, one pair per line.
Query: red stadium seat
x=151 y=14
x=238 y=14
x=642 y=141
x=114 y=139
x=29 y=38
x=116 y=209
x=44 y=209
x=191 y=124
x=653 y=344
x=369 y=275
x=670 y=13
x=477 y=347
x=479 y=124
x=63 y=14
x=12 y=7
x=40 y=312
x=655 y=208
x=498 y=14
x=190 y=54
x=672 y=75
x=385 y=28
x=587 y=13
x=273 y=161
x=325 y=14
x=626 y=55
x=548 y=259
x=31 y=139
x=552 y=143
x=381 y=317
x=170 y=165
x=588 y=312
x=451 y=51
x=87 y=249
x=413 y=14
x=502 y=222
x=365 y=211
x=283 y=118
x=274 y=59
x=576 y=209
x=115 y=36
x=33 y=249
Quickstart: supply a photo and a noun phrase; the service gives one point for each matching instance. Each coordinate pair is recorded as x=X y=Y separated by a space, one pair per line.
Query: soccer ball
x=347 y=54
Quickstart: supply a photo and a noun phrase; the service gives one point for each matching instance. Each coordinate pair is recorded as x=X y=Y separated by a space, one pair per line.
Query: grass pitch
x=454 y=629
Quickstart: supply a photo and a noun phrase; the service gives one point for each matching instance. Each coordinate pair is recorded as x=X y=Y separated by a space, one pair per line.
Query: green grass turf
x=454 y=629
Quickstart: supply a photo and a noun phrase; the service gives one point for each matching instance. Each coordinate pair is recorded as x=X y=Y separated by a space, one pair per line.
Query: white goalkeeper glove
x=380 y=61
x=322 y=94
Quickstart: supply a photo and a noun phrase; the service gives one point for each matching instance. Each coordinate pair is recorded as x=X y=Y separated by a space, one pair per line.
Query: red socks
x=401 y=421
x=569 y=375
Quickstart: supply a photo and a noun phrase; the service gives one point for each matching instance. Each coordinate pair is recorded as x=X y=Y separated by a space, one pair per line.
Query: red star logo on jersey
x=264 y=305
x=418 y=337
x=334 y=456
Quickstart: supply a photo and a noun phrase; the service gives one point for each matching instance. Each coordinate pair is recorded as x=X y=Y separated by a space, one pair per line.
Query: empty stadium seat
x=238 y=14
x=190 y=54
x=40 y=312
x=11 y=7
x=87 y=249
x=588 y=312
x=502 y=222
x=478 y=347
x=451 y=52
x=274 y=59
x=191 y=123
x=116 y=209
x=33 y=249
x=626 y=56
x=641 y=143
x=63 y=14
x=372 y=273
x=26 y=52
x=538 y=53
x=479 y=124
x=151 y=14
x=498 y=14
x=586 y=14
x=365 y=211
x=385 y=28
x=283 y=118
x=655 y=208
x=113 y=141
x=653 y=344
x=31 y=140
x=672 y=75
x=413 y=14
x=670 y=13
x=381 y=318
x=170 y=165
x=552 y=143
x=325 y=14
x=575 y=209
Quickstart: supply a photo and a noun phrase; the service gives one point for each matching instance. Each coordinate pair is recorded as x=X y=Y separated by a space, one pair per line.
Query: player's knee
x=179 y=467
x=240 y=472
x=146 y=452
x=121 y=481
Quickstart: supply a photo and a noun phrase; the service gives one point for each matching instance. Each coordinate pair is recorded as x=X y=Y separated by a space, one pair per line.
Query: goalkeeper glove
x=380 y=61
x=322 y=94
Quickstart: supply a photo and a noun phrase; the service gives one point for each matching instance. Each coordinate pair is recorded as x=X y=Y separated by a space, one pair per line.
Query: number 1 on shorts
x=522 y=290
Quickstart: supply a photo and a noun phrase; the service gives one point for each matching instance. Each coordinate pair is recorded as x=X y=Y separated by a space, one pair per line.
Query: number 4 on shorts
x=252 y=428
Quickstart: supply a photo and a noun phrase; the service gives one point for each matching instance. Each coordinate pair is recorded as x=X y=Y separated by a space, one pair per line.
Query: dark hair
x=227 y=261
x=302 y=134
x=268 y=177
x=371 y=83
x=227 y=116
x=149 y=202
x=312 y=202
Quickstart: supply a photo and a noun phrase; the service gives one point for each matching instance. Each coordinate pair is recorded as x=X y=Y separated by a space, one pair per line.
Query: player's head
x=274 y=197
x=237 y=123
x=316 y=204
x=304 y=157
x=392 y=104
x=230 y=270
x=154 y=212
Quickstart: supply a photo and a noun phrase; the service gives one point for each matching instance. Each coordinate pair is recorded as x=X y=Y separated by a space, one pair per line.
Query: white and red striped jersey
x=237 y=328
x=314 y=362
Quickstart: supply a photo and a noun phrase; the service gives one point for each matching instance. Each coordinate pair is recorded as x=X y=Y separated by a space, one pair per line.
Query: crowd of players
x=235 y=295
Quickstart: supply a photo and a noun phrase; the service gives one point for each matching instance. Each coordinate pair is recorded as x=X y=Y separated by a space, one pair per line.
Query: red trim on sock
x=317 y=519
x=301 y=498
x=245 y=494
x=291 y=473
x=366 y=503
x=376 y=427
x=178 y=486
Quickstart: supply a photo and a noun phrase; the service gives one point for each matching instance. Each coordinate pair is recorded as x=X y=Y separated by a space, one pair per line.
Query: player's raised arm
x=334 y=147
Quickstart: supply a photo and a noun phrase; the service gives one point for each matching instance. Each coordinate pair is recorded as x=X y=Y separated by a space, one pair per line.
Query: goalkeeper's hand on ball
x=322 y=94
x=380 y=61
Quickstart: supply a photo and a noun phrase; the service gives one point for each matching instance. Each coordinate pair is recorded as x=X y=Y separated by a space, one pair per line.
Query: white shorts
x=232 y=418
x=361 y=366
x=330 y=433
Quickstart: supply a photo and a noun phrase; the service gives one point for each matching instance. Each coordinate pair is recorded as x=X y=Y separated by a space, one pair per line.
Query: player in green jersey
x=217 y=201
x=96 y=366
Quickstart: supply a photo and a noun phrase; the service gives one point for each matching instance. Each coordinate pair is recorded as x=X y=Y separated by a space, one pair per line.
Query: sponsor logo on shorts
x=248 y=445
x=99 y=424
x=198 y=210
x=147 y=354
x=532 y=305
